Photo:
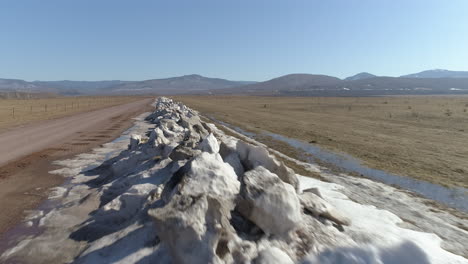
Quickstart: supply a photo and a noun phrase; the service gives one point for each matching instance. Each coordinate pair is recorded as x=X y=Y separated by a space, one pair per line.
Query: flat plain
x=423 y=137
x=15 y=112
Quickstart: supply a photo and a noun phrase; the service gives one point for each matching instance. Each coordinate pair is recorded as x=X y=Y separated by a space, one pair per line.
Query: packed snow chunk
x=269 y=202
x=183 y=153
x=227 y=150
x=195 y=229
x=170 y=126
x=205 y=174
x=253 y=156
x=210 y=144
x=134 y=142
x=157 y=137
x=273 y=255
x=121 y=209
x=405 y=253
x=233 y=160
x=228 y=145
x=164 y=103
x=319 y=207
x=314 y=190
x=193 y=124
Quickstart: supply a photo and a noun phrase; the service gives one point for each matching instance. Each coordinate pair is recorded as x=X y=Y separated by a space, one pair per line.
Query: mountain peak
x=193 y=76
x=360 y=76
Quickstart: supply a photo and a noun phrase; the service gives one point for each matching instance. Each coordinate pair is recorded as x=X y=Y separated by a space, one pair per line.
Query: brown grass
x=424 y=137
x=15 y=112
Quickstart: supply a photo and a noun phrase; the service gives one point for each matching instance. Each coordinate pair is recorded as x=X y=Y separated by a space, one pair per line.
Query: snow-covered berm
x=185 y=192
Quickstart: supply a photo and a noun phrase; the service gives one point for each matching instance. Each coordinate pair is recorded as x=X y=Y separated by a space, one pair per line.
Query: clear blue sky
x=239 y=39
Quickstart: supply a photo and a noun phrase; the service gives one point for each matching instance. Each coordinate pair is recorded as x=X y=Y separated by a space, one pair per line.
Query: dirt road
x=32 y=138
x=26 y=153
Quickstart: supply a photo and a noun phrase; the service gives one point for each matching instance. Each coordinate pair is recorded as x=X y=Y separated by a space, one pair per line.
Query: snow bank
x=380 y=238
x=182 y=191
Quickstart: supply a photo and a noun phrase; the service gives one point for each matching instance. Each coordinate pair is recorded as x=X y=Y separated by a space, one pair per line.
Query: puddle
x=453 y=197
x=237 y=129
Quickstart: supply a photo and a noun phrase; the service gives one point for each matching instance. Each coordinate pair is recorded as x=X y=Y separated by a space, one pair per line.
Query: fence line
x=23 y=108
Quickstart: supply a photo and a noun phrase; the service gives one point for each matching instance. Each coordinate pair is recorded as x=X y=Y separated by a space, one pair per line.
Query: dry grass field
x=424 y=137
x=15 y=112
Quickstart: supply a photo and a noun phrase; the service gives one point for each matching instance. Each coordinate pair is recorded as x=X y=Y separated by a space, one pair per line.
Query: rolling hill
x=290 y=82
x=176 y=85
x=16 y=85
x=438 y=73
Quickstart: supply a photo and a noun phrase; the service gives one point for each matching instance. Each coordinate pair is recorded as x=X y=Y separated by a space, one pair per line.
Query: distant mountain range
x=175 y=85
x=361 y=84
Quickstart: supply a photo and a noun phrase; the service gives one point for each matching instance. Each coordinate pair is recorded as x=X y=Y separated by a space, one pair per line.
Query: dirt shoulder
x=27 y=153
